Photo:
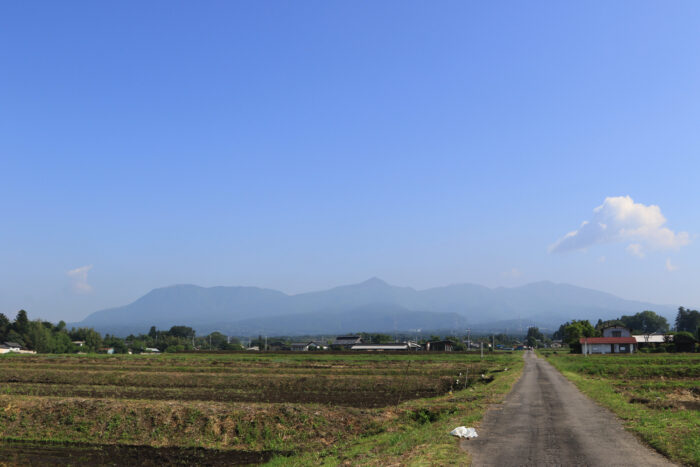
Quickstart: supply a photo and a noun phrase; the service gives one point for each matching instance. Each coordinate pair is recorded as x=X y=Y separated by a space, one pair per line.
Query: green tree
x=5 y=326
x=181 y=331
x=60 y=326
x=683 y=341
x=38 y=337
x=21 y=324
x=93 y=340
x=646 y=322
x=688 y=320
x=217 y=341
x=116 y=343
x=61 y=343
x=575 y=330
x=533 y=335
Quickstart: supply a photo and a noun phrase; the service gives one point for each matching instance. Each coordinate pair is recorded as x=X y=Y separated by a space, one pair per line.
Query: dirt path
x=546 y=420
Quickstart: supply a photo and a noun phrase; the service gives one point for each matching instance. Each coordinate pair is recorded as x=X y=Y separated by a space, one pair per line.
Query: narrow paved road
x=546 y=420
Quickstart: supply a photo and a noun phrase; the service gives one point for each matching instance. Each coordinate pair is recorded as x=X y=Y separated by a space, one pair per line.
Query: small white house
x=11 y=347
x=616 y=339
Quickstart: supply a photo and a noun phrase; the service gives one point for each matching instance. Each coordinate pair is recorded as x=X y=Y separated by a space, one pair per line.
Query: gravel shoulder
x=546 y=420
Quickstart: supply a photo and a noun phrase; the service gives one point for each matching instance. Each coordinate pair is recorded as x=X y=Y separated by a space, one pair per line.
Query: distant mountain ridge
x=372 y=305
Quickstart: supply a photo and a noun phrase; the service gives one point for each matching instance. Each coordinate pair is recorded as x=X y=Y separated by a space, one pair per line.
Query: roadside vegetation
x=292 y=408
x=657 y=396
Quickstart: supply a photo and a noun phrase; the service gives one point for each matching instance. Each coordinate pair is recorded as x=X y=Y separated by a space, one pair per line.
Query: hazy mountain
x=378 y=317
x=372 y=305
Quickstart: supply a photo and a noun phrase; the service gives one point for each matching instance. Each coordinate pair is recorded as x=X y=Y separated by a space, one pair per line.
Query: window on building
x=617 y=333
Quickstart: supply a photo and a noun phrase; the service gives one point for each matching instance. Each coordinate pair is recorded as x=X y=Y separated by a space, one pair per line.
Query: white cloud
x=670 y=267
x=620 y=219
x=80 y=277
x=602 y=259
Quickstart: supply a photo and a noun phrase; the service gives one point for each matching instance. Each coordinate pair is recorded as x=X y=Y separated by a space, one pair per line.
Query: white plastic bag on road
x=464 y=432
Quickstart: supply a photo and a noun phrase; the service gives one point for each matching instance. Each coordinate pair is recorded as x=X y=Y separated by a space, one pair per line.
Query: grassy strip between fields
x=417 y=433
x=673 y=433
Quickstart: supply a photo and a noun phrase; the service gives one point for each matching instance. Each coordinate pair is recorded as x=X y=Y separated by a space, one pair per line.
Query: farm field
x=241 y=407
x=656 y=395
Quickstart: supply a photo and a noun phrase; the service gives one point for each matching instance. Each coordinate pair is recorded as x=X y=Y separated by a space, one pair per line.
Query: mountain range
x=372 y=306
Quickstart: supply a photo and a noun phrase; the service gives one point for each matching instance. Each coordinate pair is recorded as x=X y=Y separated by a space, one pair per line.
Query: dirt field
x=218 y=409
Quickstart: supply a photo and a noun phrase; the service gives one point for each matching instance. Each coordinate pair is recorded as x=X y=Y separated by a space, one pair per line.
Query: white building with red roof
x=616 y=339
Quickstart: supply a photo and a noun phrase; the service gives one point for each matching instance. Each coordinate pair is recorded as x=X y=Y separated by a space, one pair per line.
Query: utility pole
x=482 y=350
x=469 y=339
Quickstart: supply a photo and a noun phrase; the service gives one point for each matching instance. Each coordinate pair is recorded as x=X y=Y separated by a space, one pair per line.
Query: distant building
x=79 y=343
x=306 y=346
x=151 y=350
x=616 y=339
x=439 y=346
x=345 y=342
x=276 y=346
x=12 y=347
x=396 y=346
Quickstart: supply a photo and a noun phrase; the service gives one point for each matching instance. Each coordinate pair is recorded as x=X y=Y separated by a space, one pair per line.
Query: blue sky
x=302 y=145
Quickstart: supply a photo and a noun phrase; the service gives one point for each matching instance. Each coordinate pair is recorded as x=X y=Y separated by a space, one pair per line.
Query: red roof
x=608 y=340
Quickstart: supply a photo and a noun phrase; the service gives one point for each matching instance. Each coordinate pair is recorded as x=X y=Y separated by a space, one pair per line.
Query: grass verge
x=672 y=432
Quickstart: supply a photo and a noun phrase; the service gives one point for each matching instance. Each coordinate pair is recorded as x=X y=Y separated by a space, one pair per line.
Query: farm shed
x=276 y=346
x=387 y=347
x=10 y=347
x=652 y=339
x=439 y=346
x=345 y=342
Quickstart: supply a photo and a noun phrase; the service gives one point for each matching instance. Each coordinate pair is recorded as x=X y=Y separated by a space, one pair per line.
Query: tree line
x=45 y=337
